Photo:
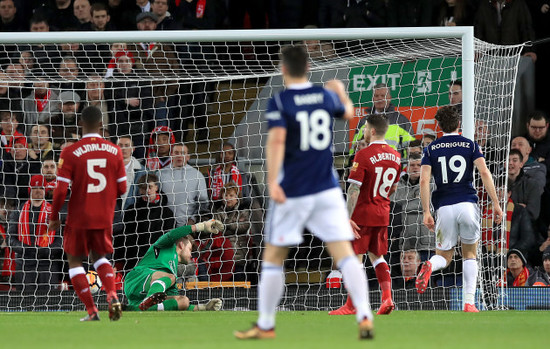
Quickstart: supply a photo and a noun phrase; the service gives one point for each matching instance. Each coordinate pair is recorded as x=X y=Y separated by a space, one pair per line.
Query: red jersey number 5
x=91 y=165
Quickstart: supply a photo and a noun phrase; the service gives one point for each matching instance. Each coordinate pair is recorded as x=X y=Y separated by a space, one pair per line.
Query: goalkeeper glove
x=212 y=226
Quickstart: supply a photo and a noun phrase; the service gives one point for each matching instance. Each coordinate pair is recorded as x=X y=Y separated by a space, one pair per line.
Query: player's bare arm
x=425 y=177
x=351 y=202
x=275 y=153
x=338 y=87
x=487 y=179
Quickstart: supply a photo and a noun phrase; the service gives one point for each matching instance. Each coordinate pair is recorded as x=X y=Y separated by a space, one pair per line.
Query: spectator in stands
x=16 y=171
x=541 y=276
x=236 y=221
x=40 y=144
x=38 y=251
x=60 y=15
x=130 y=100
x=159 y=152
x=82 y=11
x=66 y=120
x=10 y=21
x=100 y=19
x=409 y=13
x=117 y=50
x=9 y=122
x=40 y=104
x=524 y=191
x=134 y=170
x=410 y=263
x=7 y=256
x=538 y=137
x=198 y=14
x=49 y=171
x=318 y=50
x=216 y=259
x=184 y=186
x=415 y=236
x=127 y=16
x=16 y=76
x=226 y=171
x=532 y=169
x=428 y=136
x=46 y=55
x=146 y=219
x=415 y=148
x=451 y=13
x=508 y=22
x=69 y=73
x=26 y=59
x=165 y=21
x=95 y=95
x=400 y=131
x=518 y=270
x=455 y=94
x=158 y=60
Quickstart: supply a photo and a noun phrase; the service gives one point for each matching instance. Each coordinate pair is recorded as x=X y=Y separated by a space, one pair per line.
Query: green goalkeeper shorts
x=137 y=283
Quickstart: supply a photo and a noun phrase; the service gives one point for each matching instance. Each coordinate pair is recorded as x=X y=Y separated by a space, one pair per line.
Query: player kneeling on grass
x=151 y=285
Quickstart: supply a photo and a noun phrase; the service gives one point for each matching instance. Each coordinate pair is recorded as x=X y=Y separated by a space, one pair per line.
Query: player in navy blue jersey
x=451 y=160
x=304 y=190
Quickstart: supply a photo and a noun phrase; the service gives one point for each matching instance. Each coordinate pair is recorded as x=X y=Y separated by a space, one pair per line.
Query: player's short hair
x=379 y=122
x=448 y=118
x=147 y=178
x=186 y=239
x=516 y=152
x=294 y=58
x=91 y=116
x=537 y=115
x=415 y=143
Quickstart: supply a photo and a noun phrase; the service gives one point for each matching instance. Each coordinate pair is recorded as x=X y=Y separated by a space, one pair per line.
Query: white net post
x=209 y=88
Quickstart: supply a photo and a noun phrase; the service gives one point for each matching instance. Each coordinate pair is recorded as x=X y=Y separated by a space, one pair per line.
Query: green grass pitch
x=311 y=329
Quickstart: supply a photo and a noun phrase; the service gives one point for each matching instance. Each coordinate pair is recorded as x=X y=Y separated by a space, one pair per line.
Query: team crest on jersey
x=60 y=163
x=354 y=166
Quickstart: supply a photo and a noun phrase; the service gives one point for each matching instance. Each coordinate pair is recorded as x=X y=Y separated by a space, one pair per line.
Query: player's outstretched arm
x=338 y=87
x=487 y=179
x=425 y=177
x=170 y=238
x=275 y=152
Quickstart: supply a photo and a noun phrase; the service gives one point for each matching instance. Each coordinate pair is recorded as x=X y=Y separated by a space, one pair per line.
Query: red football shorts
x=79 y=242
x=373 y=240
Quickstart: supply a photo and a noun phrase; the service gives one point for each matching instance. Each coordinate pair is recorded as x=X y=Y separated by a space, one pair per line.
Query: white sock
x=438 y=262
x=160 y=307
x=469 y=280
x=270 y=291
x=356 y=284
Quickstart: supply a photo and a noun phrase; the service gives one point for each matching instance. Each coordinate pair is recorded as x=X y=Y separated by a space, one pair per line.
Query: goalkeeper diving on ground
x=151 y=285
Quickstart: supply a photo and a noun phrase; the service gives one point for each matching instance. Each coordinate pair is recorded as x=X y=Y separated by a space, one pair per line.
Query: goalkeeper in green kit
x=151 y=285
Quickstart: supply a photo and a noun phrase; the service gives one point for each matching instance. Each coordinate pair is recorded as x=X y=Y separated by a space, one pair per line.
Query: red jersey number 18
x=384 y=181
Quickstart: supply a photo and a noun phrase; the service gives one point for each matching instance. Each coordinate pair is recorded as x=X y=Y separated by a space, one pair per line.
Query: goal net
x=186 y=109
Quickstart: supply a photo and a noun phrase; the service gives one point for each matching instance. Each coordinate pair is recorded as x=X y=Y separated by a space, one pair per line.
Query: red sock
x=107 y=276
x=384 y=279
x=82 y=289
x=349 y=303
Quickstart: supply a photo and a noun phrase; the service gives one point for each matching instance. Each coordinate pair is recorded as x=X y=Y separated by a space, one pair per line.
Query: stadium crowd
x=151 y=115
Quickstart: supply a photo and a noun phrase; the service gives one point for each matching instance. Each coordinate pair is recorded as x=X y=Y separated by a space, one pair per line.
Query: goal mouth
x=210 y=88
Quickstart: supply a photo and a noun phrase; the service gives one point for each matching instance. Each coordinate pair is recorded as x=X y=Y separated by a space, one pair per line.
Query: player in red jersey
x=95 y=170
x=373 y=178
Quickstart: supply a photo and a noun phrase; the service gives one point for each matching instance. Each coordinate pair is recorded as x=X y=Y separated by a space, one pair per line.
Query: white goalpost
x=208 y=90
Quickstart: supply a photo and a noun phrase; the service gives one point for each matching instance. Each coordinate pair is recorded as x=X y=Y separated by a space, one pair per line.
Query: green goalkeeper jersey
x=162 y=256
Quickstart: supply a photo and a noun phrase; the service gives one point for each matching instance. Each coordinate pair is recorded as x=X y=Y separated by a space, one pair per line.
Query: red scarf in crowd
x=43 y=238
x=154 y=201
x=42 y=102
x=217 y=180
x=8 y=141
x=8 y=267
x=201 y=5
x=522 y=277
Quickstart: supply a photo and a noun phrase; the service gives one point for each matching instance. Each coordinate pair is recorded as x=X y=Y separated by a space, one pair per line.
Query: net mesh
x=210 y=97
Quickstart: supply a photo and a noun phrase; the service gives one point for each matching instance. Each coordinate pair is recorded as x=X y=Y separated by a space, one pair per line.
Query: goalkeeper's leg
x=160 y=283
